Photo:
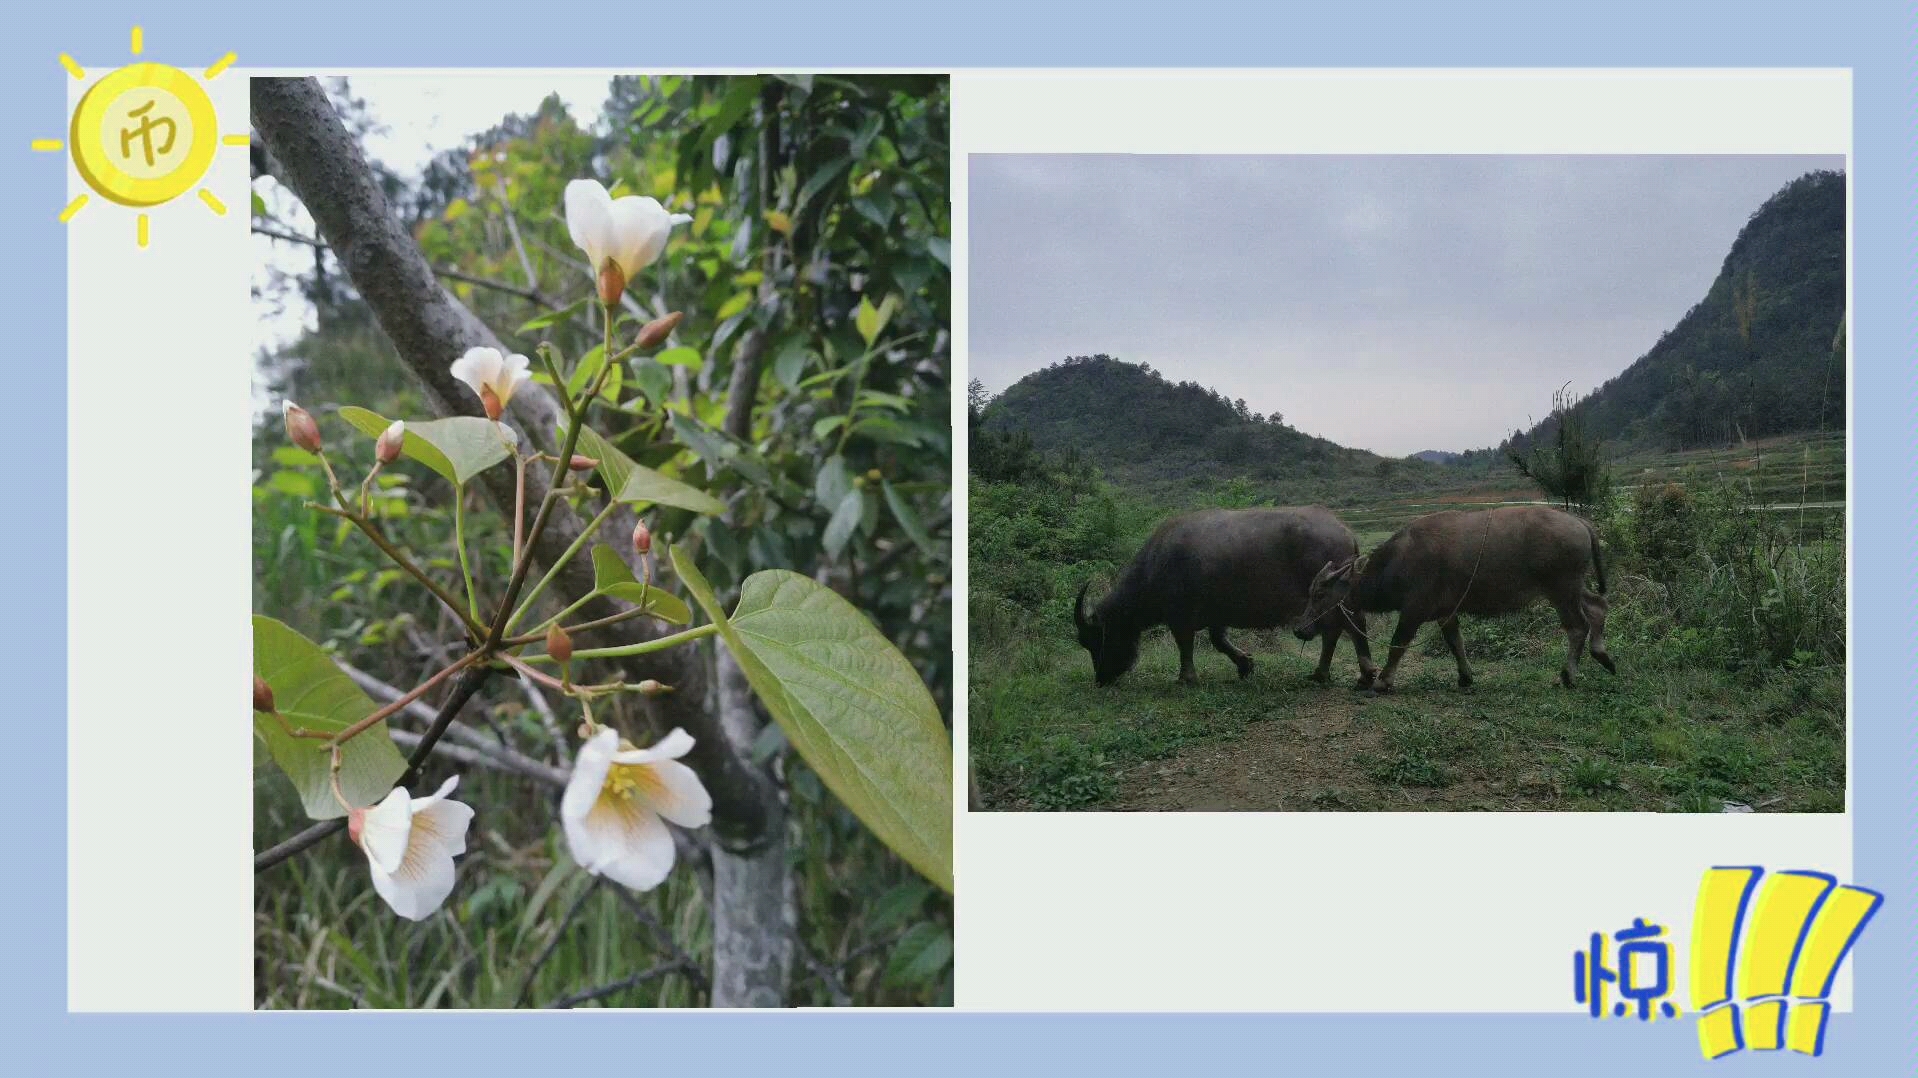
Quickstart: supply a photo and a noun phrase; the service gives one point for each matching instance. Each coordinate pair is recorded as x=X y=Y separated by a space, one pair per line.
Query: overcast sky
x=1389 y=303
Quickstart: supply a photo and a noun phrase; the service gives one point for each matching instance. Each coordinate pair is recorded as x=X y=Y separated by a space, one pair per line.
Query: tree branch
x=526 y=294
x=323 y=166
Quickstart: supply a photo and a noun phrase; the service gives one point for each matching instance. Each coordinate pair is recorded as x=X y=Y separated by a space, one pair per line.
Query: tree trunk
x=753 y=945
x=320 y=162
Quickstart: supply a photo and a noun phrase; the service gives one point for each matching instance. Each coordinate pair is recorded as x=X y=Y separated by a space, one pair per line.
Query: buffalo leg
x=1239 y=658
x=1594 y=605
x=1328 y=643
x=1452 y=640
x=1187 y=674
x=1402 y=637
x=1571 y=616
x=1354 y=621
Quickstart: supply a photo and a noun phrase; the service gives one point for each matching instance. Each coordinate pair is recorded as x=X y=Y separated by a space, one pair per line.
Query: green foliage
x=612 y=577
x=814 y=199
x=459 y=447
x=1572 y=469
x=849 y=702
x=312 y=694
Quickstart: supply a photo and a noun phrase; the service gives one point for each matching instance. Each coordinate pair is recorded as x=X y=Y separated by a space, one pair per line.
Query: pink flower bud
x=642 y=538
x=262 y=695
x=612 y=282
x=582 y=463
x=390 y=442
x=654 y=333
x=355 y=824
x=491 y=402
x=559 y=645
x=649 y=687
x=301 y=428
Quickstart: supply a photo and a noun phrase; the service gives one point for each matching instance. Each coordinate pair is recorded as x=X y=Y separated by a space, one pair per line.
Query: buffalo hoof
x=1364 y=683
x=1381 y=688
x=1606 y=662
x=1245 y=669
x=1465 y=682
x=1321 y=677
x=1565 y=678
x=1188 y=679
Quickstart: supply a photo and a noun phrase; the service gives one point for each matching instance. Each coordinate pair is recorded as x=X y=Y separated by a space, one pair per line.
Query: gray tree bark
x=313 y=155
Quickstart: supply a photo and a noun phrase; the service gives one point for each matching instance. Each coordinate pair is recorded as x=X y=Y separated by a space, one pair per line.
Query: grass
x=1660 y=737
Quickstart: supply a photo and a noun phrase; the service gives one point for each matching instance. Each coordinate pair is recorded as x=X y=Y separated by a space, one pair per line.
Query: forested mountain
x=1760 y=354
x=1131 y=420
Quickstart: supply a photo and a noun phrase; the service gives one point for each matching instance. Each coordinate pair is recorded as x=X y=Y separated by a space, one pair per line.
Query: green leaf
x=881 y=429
x=553 y=317
x=655 y=381
x=292 y=456
x=833 y=481
x=828 y=425
x=791 y=363
x=458 y=448
x=737 y=303
x=681 y=357
x=778 y=222
x=585 y=371
x=259 y=205
x=909 y=521
x=866 y=320
x=849 y=702
x=612 y=576
x=845 y=520
x=897 y=905
x=631 y=481
x=940 y=248
x=922 y=953
x=311 y=692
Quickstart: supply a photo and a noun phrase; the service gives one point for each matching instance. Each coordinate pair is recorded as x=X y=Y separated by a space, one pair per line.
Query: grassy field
x=1697 y=720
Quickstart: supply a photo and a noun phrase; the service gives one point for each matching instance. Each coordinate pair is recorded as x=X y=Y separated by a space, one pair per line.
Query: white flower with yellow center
x=410 y=845
x=492 y=376
x=630 y=231
x=618 y=801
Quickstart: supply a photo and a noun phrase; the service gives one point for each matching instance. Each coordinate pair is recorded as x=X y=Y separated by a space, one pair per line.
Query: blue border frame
x=1874 y=39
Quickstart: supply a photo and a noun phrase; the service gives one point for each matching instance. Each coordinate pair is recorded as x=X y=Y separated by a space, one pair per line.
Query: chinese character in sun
x=144 y=133
x=1643 y=974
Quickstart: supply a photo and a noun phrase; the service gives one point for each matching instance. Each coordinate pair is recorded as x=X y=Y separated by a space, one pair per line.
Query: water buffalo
x=1216 y=569
x=1496 y=561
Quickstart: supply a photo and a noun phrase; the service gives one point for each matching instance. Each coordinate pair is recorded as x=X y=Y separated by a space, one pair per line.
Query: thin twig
x=526 y=294
x=400 y=559
x=559 y=933
x=616 y=987
x=662 y=939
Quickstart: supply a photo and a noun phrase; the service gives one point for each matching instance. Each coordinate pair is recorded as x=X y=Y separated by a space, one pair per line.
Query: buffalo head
x=1113 y=651
x=1331 y=587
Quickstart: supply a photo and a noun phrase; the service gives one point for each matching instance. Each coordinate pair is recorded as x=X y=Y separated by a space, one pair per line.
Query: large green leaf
x=909 y=522
x=849 y=702
x=631 y=481
x=611 y=576
x=311 y=692
x=459 y=447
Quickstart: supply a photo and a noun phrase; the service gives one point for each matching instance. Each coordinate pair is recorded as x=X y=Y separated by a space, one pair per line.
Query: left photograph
x=601 y=501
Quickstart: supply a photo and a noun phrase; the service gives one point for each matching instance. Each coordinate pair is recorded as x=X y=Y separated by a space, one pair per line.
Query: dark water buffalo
x=1216 y=569
x=1496 y=561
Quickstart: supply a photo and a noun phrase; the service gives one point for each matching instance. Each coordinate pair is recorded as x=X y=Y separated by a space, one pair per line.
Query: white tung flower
x=492 y=376
x=630 y=231
x=617 y=803
x=410 y=845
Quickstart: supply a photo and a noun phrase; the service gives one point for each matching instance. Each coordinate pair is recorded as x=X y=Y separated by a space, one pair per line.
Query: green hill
x=1756 y=357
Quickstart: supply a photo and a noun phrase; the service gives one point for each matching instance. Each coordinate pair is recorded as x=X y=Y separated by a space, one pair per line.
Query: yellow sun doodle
x=143 y=135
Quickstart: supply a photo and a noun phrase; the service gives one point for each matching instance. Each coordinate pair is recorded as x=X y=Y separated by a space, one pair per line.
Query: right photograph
x=1408 y=483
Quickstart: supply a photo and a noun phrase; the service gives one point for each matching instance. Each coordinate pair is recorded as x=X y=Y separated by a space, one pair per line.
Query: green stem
x=644 y=647
x=459 y=543
x=560 y=465
x=583 y=600
x=585 y=536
